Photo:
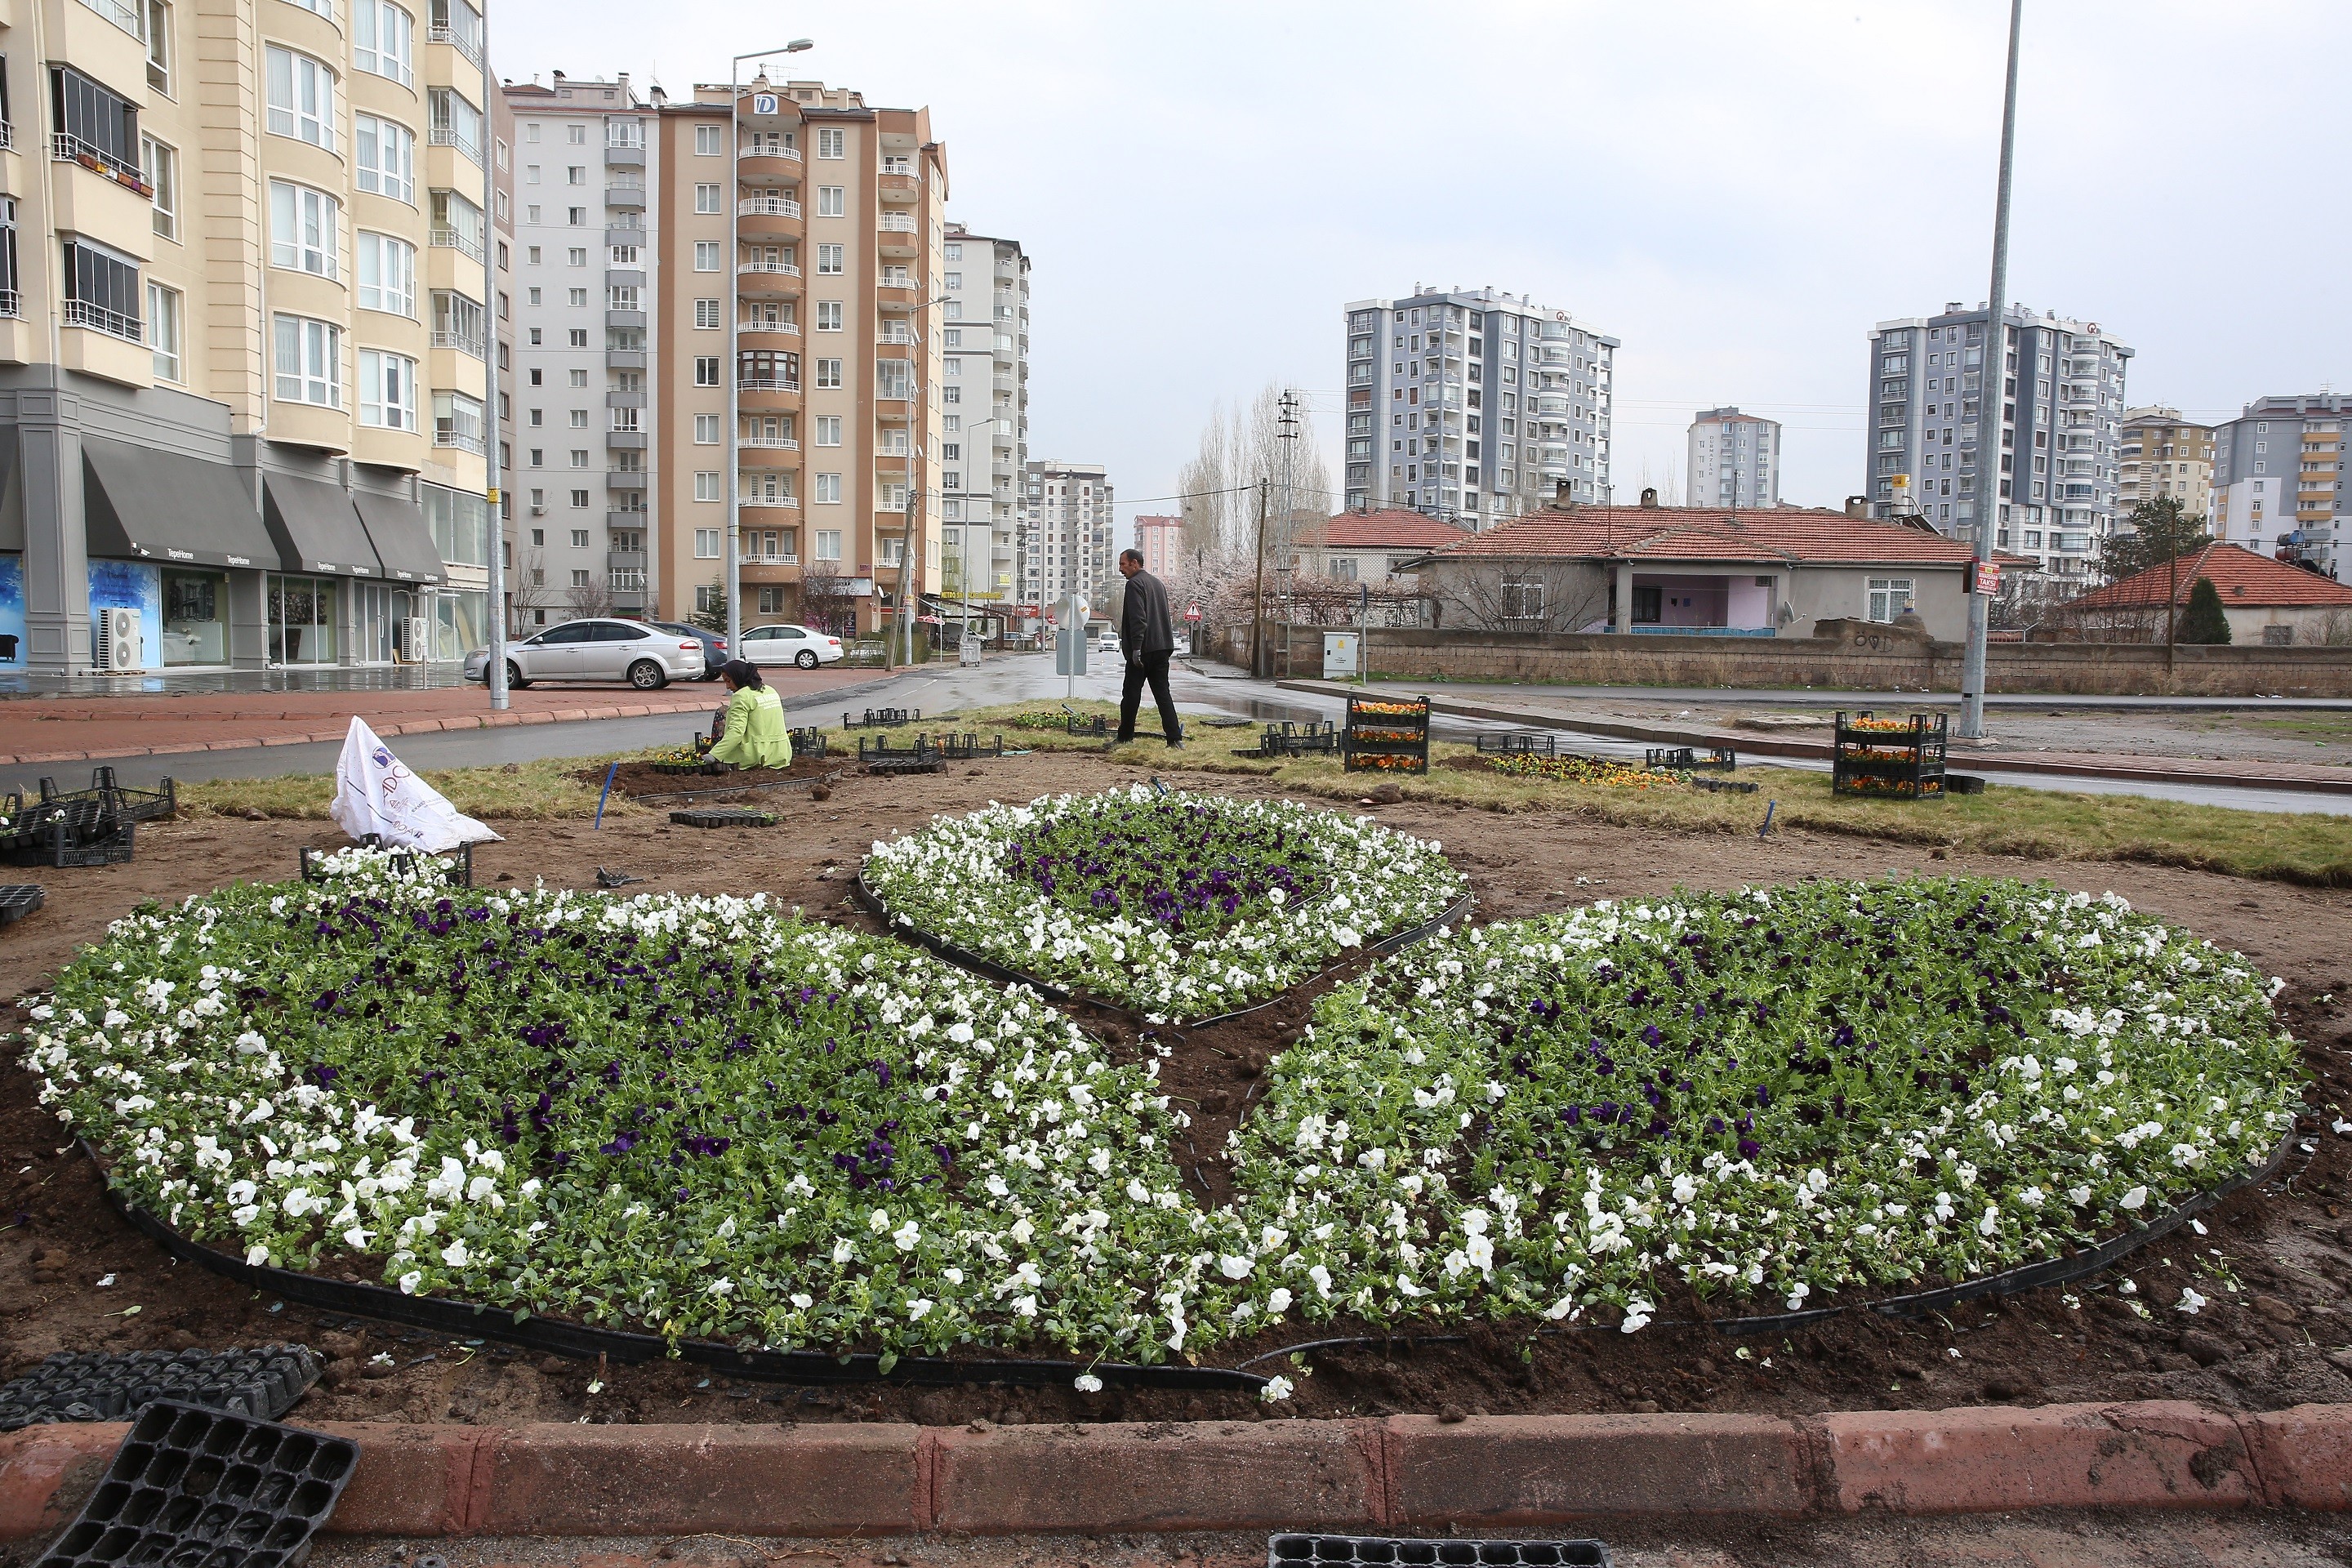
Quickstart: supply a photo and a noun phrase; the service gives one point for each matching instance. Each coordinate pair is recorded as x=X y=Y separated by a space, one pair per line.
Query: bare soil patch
x=2281 y=1339
x=634 y=779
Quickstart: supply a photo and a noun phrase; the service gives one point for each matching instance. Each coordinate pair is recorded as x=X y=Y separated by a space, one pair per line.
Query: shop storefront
x=174 y=539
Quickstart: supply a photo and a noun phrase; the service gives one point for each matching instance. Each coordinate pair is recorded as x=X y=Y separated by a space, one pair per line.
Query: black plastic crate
x=1889 y=759
x=882 y=717
x=1690 y=757
x=126 y=804
x=191 y=1487
x=1724 y=786
x=461 y=873
x=102 y=1386
x=61 y=839
x=908 y=763
x=1398 y=1552
x=808 y=743
x=879 y=749
x=1090 y=726
x=1519 y=744
x=967 y=748
x=723 y=816
x=1386 y=735
x=1314 y=737
x=18 y=900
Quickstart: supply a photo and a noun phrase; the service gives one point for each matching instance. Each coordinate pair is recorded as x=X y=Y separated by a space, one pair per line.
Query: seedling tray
x=461 y=875
x=102 y=1386
x=60 y=840
x=1316 y=737
x=882 y=717
x=18 y=900
x=1090 y=727
x=908 y=763
x=1386 y=735
x=808 y=743
x=1725 y=786
x=723 y=816
x=1393 y=1551
x=1690 y=757
x=1889 y=759
x=125 y=804
x=967 y=748
x=191 y=1487
x=1519 y=744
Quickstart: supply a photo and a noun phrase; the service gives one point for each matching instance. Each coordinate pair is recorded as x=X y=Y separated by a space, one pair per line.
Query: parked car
x=788 y=644
x=714 y=645
x=635 y=651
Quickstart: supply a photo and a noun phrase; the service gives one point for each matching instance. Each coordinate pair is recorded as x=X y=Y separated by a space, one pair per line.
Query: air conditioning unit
x=539 y=509
x=415 y=639
x=118 y=641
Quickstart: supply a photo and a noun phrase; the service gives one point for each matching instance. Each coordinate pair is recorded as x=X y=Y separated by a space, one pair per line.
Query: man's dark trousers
x=1153 y=668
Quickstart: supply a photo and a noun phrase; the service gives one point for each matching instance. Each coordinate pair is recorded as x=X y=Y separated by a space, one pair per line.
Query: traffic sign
x=1985 y=579
x=1193 y=612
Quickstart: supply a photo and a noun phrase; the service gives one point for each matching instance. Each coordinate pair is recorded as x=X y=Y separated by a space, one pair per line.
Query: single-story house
x=1369 y=546
x=1652 y=568
x=2267 y=603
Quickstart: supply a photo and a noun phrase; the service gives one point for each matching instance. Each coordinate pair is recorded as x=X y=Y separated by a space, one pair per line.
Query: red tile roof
x=1386 y=530
x=2244 y=579
x=1783 y=536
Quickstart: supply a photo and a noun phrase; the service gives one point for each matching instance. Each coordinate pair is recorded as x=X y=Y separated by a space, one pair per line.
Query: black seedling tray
x=100 y=1386
x=63 y=837
x=1392 y=1552
x=1687 y=757
x=808 y=743
x=18 y=900
x=125 y=804
x=882 y=717
x=967 y=748
x=879 y=750
x=723 y=816
x=1725 y=786
x=191 y=1487
x=1519 y=744
x=1090 y=727
x=461 y=875
x=908 y=763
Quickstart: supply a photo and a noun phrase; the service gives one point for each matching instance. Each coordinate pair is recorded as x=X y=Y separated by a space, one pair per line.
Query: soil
x=634 y=779
x=2282 y=1338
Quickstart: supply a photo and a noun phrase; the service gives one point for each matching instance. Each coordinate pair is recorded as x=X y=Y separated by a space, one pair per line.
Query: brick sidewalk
x=94 y=729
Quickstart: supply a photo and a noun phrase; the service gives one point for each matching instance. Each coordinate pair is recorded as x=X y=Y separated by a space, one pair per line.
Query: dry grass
x=543 y=790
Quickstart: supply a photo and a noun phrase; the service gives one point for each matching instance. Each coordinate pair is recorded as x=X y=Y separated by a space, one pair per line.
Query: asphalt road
x=1013 y=678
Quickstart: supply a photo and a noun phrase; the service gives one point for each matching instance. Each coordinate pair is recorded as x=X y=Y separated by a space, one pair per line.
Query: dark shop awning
x=316 y=527
x=138 y=504
x=403 y=540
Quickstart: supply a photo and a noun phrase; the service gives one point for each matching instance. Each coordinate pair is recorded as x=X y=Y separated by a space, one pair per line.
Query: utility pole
x=1972 y=665
x=1286 y=432
x=1258 y=614
x=906 y=560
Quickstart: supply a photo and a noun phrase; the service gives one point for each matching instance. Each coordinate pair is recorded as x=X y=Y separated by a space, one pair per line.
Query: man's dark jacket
x=1146 y=626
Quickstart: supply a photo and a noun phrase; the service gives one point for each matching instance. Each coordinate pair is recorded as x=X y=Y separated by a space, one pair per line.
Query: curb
x=1393 y=1474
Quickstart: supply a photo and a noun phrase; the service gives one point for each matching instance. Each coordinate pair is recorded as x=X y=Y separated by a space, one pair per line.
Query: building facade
x=2164 y=455
x=2278 y=443
x=1068 y=521
x=2031 y=444
x=1475 y=404
x=985 y=436
x=1161 y=541
x=811 y=225
x=586 y=262
x=1734 y=459
x=243 y=349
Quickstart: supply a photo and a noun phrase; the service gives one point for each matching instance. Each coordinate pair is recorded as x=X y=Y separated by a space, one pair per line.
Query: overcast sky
x=1738 y=189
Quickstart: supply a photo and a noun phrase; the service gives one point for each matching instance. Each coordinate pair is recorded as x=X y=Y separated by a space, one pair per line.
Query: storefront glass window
x=303 y=615
x=462 y=624
x=196 y=618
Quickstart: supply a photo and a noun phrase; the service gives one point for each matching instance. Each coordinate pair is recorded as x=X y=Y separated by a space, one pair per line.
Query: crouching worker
x=755 y=734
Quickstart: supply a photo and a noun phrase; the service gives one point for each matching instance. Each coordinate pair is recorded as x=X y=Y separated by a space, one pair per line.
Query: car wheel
x=805 y=658
x=515 y=682
x=647 y=676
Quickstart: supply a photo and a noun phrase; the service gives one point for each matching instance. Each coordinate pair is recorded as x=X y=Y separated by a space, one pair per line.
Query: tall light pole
x=963 y=548
x=734 y=372
x=917 y=392
x=494 y=673
x=1972 y=664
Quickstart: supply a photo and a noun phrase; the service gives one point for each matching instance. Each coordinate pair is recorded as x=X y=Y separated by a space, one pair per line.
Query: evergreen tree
x=2161 y=531
x=713 y=619
x=2204 y=622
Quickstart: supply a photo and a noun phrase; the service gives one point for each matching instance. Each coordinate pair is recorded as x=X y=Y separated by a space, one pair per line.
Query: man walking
x=1147 y=635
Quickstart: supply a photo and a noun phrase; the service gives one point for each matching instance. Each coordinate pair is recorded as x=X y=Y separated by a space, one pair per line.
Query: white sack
x=375 y=793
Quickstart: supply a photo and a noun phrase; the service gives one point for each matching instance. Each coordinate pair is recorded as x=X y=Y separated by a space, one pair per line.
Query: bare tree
x=1529 y=595
x=826 y=603
x=529 y=592
x=590 y=599
x=1238 y=447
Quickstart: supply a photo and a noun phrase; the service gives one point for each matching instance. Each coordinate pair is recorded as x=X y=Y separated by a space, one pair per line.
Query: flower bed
x=1573 y=769
x=1772 y=1094
x=1178 y=906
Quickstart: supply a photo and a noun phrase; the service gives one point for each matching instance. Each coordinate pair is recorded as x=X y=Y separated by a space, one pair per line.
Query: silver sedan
x=644 y=655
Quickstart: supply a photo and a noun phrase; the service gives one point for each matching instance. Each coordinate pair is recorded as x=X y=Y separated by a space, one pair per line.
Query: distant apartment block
x=983 y=328
x=2029 y=441
x=1161 y=540
x=2278 y=480
x=2164 y=455
x=1474 y=404
x=1734 y=459
x=1068 y=521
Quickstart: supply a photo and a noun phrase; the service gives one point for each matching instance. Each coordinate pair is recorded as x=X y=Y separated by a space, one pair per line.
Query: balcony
x=98 y=318
x=466 y=42
x=456 y=440
x=628 y=517
x=625 y=196
x=754 y=161
x=464 y=244
x=464 y=343
x=624 y=440
x=624 y=480
x=895 y=337
x=762 y=330
x=898 y=186
x=625 y=359
x=758 y=215
x=767 y=281
x=767 y=395
x=625 y=560
x=896 y=235
x=443 y=136
x=896 y=294
x=766 y=500
x=631 y=319
x=10 y=309
x=630 y=581
x=70 y=149
x=624 y=157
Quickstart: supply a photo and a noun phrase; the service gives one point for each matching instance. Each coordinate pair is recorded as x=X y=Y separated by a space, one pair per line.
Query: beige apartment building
x=244 y=335
x=2164 y=455
x=836 y=214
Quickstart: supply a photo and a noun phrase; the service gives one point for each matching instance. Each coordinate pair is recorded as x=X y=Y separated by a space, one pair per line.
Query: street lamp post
x=963 y=549
x=1973 y=658
x=734 y=356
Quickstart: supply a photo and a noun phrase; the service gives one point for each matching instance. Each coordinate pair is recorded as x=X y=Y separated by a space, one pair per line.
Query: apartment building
x=1734 y=459
x=1161 y=540
x=587 y=262
x=2276 y=442
x=243 y=360
x=811 y=225
x=983 y=434
x=2034 y=441
x=2164 y=455
x=1474 y=404
x=1073 y=544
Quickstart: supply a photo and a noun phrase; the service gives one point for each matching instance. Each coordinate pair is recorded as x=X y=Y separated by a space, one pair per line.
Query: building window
x=387 y=269
x=387 y=162
x=828 y=375
x=309 y=362
x=163 y=331
x=829 y=429
x=831 y=142
x=827 y=493
x=387 y=389
x=708 y=142
x=159 y=47
x=828 y=315
x=828 y=545
x=705 y=256
x=304 y=225
x=706 y=370
x=705 y=196
x=91 y=121
x=706 y=429
x=1888 y=597
x=162 y=169
x=457 y=225
x=457 y=322
x=706 y=315
x=383 y=40
x=766 y=369
x=829 y=260
x=457 y=122
x=831 y=201
x=706 y=544
x=706 y=486
x=302 y=98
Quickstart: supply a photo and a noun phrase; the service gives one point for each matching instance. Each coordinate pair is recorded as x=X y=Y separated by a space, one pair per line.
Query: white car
x=788 y=644
x=644 y=656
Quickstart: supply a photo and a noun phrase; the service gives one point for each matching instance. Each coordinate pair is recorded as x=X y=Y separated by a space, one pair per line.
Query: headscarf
x=742 y=674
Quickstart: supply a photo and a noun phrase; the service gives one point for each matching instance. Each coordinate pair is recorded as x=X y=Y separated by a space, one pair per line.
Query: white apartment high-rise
x=587 y=262
x=1734 y=459
x=985 y=436
x=1068 y=522
x=2278 y=480
x=1474 y=404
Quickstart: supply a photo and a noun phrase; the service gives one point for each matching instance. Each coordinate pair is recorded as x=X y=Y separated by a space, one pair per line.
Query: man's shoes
x=1120 y=740
x=1176 y=745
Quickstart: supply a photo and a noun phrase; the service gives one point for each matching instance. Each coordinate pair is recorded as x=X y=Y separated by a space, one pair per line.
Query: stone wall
x=1871 y=659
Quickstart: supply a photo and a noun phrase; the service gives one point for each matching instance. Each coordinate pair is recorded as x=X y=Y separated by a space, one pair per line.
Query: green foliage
x=2162 y=530
x=713 y=619
x=2203 y=622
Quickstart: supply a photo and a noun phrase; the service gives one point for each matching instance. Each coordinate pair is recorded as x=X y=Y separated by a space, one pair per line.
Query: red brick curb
x=1405 y=1473
x=411 y=727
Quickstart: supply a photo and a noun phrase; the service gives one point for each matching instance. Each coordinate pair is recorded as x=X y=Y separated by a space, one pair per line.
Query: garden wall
x=1874 y=659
